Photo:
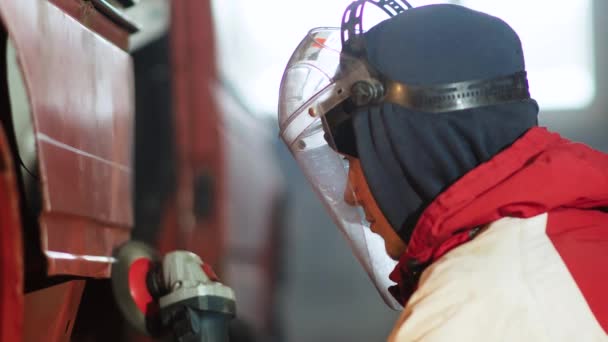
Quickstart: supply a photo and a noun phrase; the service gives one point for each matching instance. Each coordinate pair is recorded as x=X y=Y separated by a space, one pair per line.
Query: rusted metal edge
x=116 y=15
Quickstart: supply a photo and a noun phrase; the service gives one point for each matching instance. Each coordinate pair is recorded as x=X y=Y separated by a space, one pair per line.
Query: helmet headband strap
x=352 y=22
x=436 y=98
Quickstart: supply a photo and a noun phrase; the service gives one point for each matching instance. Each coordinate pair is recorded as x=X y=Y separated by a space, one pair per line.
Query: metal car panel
x=11 y=251
x=80 y=88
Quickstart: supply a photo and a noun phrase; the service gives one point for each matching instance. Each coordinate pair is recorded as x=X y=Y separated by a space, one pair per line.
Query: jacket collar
x=503 y=186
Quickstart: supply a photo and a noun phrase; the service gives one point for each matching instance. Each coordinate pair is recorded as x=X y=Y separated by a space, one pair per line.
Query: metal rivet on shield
x=302 y=144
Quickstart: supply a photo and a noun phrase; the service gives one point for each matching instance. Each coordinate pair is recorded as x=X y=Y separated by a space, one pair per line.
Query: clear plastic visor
x=317 y=79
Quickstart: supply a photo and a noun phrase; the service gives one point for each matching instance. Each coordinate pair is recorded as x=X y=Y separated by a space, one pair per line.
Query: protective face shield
x=327 y=78
x=310 y=89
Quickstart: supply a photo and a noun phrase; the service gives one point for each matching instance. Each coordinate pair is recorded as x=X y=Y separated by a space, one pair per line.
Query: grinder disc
x=133 y=262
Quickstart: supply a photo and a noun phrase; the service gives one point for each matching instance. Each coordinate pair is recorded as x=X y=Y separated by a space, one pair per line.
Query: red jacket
x=541 y=173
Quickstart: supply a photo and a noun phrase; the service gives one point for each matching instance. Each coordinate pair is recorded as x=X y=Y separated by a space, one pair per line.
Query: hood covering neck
x=410 y=157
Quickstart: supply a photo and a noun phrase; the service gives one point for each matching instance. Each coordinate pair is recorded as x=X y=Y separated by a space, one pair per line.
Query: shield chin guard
x=329 y=73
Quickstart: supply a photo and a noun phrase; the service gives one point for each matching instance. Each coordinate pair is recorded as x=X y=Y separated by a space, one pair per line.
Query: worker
x=420 y=137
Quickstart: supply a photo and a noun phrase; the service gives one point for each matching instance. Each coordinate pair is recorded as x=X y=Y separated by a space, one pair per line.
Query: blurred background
x=207 y=79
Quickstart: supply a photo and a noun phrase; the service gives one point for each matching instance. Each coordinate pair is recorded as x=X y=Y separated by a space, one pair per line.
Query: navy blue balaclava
x=410 y=157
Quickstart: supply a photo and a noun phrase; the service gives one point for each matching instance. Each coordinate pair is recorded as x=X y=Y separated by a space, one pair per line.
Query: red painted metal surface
x=11 y=255
x=80 y=89
x=51 y=312
x=255 y=188
x=79 y=246
x=215 y=136
x=198 y=147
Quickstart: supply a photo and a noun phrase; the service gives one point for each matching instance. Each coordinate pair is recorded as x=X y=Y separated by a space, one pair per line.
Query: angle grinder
x=177 y=295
